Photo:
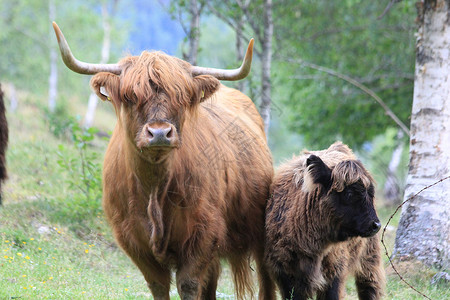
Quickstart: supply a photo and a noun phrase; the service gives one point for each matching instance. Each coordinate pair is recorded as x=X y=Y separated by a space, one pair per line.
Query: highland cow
x=321 y=226
x=187 y=171
x=3 y=142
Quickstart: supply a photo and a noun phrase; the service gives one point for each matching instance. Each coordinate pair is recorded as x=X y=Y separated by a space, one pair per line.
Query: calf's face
x=348 y=195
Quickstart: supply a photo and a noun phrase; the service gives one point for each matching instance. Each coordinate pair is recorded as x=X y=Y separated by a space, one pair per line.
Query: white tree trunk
x=53 y=77
x=240 y=47
x=106 y=47
x=424 y=229
x=266 y=99
x=13 y=102
x=194 y=31
x=392 y=186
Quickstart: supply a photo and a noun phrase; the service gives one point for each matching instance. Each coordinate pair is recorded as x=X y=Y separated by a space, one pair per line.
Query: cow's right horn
x=79 y=66
x=230 y=75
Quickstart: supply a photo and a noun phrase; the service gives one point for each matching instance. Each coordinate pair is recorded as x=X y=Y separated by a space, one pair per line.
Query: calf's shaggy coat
x=321 y=226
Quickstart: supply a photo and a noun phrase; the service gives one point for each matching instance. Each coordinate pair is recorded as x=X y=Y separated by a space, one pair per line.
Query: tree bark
x=240 y=47
x=53 y=77
x=194 y=33
x=392 y=186
x=266 y=98
x=13 y=102
x=424 y=229
x=106 y=47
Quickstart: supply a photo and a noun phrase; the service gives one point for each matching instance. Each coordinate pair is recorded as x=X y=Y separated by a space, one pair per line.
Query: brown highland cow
x=186 y=174
x=321 y=226
x=3 y=142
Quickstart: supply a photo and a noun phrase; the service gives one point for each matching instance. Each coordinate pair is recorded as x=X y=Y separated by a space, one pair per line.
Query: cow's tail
x=242 y=276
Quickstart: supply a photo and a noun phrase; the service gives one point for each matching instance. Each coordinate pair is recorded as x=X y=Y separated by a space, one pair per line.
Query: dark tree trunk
x=3 y=142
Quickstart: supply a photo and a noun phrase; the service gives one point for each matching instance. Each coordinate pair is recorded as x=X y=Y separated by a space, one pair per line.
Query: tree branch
x=388 y=8
x=362 y=87
x=244 y=6
x=229 y=22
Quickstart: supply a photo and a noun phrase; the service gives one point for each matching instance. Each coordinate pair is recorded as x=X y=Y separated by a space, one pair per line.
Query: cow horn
x=79 y=66
x=230 y=75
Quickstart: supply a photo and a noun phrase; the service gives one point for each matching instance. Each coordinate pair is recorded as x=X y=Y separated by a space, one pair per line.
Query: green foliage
x=59 y=122
x=380 y=154
x=85 y=174
x=349 y=39
x=27 y=36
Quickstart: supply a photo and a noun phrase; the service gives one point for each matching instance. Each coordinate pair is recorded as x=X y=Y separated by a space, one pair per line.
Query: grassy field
x=55 y=243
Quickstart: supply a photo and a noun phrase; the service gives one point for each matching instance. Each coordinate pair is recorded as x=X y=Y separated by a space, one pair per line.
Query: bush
x=59 y=122
x=84 y=175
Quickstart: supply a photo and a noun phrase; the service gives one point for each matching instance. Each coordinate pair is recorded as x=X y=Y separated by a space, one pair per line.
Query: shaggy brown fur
x=320 y=226
x=202 y=198
x=3 y=142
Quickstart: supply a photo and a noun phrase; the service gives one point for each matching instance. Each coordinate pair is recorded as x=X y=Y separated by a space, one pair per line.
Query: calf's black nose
x=376 y=225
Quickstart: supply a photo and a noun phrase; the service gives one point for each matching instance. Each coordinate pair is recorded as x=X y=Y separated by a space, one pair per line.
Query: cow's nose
x=160 y=136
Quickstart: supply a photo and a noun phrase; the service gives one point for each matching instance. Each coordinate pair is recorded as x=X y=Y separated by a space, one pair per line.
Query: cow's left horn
x=79 y=66
x=229 y=75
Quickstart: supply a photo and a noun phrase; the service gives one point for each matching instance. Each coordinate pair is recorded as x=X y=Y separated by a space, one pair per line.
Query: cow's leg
x=188 y=285
x=156 y=275
x=266 y=285
x=210 y=287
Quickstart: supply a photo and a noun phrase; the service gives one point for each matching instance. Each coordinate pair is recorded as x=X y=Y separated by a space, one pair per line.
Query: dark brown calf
x=321 y=226
x=3 y=142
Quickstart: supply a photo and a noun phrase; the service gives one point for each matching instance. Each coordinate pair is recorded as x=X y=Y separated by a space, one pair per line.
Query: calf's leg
x=370 y=278
x=331 y=292
x=292 y=288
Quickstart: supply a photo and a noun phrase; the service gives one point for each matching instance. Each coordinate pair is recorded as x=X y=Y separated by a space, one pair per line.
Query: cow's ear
x=106 y=86
x=206 y=86
x=317 y=172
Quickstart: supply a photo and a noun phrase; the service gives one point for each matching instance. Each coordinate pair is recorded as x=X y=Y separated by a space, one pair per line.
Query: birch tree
x=53 y=76
x=258 y=16
x=194 y=9
x=106 y=48
x=424 y=229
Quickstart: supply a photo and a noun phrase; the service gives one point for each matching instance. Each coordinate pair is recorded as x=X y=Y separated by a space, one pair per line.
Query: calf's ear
x=317 y=172
x=106 y=86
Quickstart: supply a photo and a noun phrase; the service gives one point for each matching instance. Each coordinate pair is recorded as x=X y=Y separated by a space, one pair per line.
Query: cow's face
x=348 y=197
x=153 y=96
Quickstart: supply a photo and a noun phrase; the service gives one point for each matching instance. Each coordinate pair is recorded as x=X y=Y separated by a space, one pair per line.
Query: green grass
x=51 y=247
